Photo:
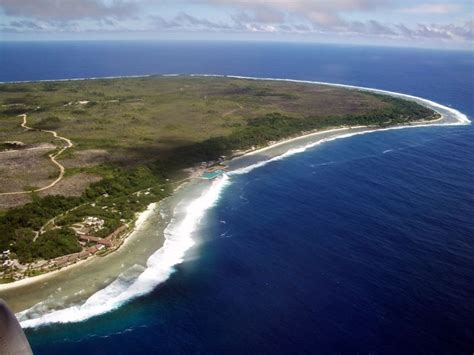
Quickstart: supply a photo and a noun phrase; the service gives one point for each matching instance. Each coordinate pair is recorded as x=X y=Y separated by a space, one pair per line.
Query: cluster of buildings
x=89 y=225
x=212 y=163
x=71 y=258
x=91 y=246
x=9 y=264
x=85 y=231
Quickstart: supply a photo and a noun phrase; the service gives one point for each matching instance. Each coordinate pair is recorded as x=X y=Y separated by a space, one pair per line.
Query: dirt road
x=52 y=157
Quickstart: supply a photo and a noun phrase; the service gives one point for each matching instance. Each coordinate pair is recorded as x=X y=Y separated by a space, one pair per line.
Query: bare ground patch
x=26 y=168
x=10 y=201
x=68 y=186
x=72 y=185
x=86 y=158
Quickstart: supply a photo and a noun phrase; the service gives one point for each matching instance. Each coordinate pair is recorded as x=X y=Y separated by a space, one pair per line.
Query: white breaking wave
x=179 y=233
x=159 y=267
x=302 y=149
x=80 y=79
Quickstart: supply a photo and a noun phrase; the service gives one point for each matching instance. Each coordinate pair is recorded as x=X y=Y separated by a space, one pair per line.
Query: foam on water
x=132 y=284
x=302 y=149
x=179 y=233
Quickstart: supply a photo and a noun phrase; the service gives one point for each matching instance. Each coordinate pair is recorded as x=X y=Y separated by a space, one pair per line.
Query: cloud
x=259 y=16
x=464 y=32
x=305 y=18
x=245 y=22
x=371 y=27
x=322 y=16
x=68 y=9
x=25 y=24
x=185 y=21
x=318 y=12
x=433 y=9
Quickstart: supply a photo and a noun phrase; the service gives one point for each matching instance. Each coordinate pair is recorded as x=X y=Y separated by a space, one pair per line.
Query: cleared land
x=132 y=134
x=25 y=169
x=140 y=118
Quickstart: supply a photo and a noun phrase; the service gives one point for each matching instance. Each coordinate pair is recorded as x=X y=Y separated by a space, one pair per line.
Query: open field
x=145 y=118
x=17 y=167
x=132 y=121
x=129 y=139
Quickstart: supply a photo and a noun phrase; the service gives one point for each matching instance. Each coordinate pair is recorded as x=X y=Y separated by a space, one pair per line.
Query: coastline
x=78 y=281
x=144 y=215
x=188 y=192
x=140 y=219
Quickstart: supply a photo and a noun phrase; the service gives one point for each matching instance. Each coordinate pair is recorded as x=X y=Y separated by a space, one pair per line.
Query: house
x=93 y=249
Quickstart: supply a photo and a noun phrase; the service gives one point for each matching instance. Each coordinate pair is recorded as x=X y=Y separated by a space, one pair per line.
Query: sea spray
x=131 y=284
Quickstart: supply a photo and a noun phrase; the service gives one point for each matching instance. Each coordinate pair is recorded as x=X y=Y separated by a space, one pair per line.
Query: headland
x=250 y=137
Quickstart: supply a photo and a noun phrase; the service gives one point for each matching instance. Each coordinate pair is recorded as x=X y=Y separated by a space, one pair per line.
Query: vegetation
x=10 y=145
x=49 y=245
x=53 y=243
x=49 y=123
x=117 y=193
x=275 y=126
x=150 y=128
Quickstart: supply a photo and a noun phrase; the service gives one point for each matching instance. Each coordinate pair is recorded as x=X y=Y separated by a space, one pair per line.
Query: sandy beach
x=77 y=282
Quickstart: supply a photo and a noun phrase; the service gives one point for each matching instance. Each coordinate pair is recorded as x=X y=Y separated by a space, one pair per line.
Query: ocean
x=357 y=245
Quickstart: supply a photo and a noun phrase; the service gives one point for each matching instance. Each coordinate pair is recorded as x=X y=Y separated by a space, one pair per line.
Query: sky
x=417 y=23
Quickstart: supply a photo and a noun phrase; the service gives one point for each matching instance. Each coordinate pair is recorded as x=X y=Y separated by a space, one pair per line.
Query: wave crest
x=138 y=281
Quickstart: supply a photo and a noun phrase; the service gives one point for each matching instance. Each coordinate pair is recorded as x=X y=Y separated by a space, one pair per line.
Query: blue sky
x=419 y=23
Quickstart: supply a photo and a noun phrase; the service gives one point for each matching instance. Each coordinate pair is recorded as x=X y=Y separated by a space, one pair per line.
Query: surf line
x=179 y=232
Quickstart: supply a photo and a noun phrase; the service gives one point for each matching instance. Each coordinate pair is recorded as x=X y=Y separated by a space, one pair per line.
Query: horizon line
x=249 y=41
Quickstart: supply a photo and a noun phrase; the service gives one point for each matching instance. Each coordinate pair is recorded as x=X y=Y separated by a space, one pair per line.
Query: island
x=80 y=159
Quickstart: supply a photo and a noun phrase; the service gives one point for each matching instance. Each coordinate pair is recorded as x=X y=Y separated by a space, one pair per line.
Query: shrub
x=51 y=122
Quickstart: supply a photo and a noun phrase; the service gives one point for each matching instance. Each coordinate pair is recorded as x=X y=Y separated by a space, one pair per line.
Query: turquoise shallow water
x=212 y=175
x=361 y=245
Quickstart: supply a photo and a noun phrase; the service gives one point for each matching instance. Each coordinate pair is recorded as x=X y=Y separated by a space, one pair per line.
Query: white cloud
x=297 y=17
x=319 y=12
x=68 y=9
x=432 y=9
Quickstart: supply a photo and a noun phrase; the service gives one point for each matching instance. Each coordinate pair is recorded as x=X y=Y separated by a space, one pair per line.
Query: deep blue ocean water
x=361 y=245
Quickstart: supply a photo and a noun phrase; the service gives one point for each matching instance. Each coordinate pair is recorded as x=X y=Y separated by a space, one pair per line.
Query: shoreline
x=78 y=281
x=142 y=216
x=279 y=149
x=463 y=117
x=140 y=219
x=349 y=86
x=343 y=128
x=49 y=278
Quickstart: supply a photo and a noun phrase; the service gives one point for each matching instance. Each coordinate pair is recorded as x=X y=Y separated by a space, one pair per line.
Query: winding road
x=52 y=157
